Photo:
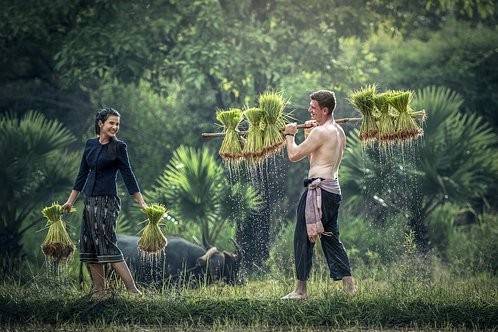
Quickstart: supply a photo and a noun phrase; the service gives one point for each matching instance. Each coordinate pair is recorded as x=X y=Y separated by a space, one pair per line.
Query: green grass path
x=446 y=303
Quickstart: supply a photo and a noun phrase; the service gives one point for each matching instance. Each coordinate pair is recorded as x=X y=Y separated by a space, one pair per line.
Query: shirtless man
x=325 y=147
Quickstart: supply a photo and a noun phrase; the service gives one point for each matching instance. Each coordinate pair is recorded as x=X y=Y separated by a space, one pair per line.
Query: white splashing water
x=152 y=260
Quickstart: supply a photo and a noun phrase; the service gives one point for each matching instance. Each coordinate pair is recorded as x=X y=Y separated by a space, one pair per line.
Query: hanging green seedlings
x=57 y=245
x=152 y=239
x=272 y=105
x=363 y=101
x=406 y=126
x=418 y=115
x=231 y=147
x=386 y=117
x=253 y=148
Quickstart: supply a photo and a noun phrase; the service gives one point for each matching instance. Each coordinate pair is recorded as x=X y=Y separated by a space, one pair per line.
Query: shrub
x=474 y=248
x=368 y=246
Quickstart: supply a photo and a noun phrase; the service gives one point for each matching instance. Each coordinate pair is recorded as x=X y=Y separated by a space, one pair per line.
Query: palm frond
x=190 y=185
x=34 y=164
x=440 y=103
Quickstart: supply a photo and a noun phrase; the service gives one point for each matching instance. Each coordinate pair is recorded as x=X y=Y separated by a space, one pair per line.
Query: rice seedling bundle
x=272 y=105
x=231 y=147
x=363 y=101
x=386 y=117
x=152 y=239
x=253 y=148
x=418 y=115
x=57 y=245
x=406 y=127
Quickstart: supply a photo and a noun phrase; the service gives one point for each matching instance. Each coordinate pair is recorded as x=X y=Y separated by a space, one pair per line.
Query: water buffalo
x=182 y=262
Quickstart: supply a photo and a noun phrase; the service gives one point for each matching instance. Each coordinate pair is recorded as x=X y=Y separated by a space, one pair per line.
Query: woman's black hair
x=102 y=116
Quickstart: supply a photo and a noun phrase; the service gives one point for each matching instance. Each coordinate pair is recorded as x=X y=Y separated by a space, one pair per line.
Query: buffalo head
x=221 y=265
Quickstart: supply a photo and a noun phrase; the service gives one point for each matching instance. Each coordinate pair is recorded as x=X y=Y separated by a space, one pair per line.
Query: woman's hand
x=67 y=206
x=70 y=201
x=139 y=199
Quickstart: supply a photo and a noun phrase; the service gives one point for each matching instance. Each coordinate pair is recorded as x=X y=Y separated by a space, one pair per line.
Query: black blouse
x=98 y=170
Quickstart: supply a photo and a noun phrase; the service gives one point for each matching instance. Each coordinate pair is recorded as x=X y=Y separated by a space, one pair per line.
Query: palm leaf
x=34 y=167
x=190 y=185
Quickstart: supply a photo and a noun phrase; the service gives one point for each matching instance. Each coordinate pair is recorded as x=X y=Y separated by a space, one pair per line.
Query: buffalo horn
x=238 y=251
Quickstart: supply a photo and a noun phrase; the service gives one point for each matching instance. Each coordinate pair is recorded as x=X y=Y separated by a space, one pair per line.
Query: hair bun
x=102 y=112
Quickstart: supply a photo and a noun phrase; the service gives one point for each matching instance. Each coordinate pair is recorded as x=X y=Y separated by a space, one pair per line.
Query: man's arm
x=308 y=146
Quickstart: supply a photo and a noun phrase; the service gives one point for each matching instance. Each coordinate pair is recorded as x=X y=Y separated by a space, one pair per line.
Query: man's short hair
x=325 y=98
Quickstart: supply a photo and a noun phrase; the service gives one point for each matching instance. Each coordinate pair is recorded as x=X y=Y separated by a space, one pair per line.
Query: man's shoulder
x=323 y=132
x=329 y=129
x=332 y=132
x=339 y=129
x=319 y=130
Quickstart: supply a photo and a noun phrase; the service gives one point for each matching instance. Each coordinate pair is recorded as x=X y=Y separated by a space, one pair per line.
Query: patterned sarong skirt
x=98 y=243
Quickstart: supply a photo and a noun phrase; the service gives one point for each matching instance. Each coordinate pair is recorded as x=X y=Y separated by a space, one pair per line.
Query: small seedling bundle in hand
x=152 y=239
x=231 y=147
x=57 y=245
x=272 y=105
x=253 y=149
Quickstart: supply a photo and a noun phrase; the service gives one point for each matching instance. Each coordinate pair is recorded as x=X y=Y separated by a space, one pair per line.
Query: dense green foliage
x=466 y=247
x=167 y=66
x=458 y=56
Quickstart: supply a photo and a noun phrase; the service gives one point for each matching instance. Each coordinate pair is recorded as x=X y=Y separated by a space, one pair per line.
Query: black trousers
x=333 y=249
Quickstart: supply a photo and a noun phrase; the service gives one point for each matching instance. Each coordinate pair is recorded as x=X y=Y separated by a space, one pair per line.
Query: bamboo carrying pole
x=209 y=136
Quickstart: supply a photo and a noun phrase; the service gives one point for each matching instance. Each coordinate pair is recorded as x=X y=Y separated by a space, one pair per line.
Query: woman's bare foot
x=295 y=296
x=348 y=285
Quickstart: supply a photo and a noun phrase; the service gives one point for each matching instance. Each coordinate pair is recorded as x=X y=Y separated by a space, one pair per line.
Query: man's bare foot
x=134 y=291
x=348 y=285
x=295 y=296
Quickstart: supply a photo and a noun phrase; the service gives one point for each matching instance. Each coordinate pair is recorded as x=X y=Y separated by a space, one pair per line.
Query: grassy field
x=442 y=302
